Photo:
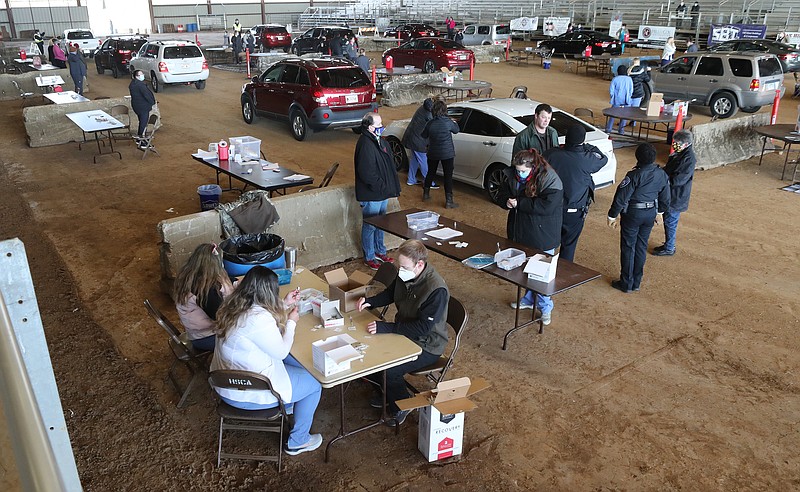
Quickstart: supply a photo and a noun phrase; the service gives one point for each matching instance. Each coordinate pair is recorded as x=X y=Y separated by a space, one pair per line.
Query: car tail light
x=325 y=116
x=601 y=44
x=124 y=52
x=319 y=97
x=755 y=84
x=205 y=64
x=162 y=67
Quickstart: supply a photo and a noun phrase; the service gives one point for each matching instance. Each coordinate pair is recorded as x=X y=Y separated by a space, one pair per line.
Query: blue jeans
x=418 y=161
x=543 y=303
x=306 y=392
x=610 y=122
x=371 y=236
x=670 y=228
x=635 y=102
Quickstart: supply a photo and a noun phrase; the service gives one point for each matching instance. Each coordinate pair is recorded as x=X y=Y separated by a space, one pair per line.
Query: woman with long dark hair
x=533 y=194
x=255 y=333
x=439 y=132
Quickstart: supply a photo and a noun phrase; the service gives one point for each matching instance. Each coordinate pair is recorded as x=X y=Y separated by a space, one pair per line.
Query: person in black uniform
x=575 y=164
x=642 y=197
x=680 y=170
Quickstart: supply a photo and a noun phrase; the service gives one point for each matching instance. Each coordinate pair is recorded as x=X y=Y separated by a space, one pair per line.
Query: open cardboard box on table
x=347 y=289
x=655 y=104
x=334 y=354
x=441 y=416
x=542 y=267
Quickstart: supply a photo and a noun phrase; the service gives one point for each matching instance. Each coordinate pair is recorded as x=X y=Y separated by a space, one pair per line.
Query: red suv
x=312 y=93
x=431 y=54
x=272 y=36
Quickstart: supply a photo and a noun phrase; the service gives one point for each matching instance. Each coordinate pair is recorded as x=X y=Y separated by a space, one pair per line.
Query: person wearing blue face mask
x=376 y=182
x=533 y=194
x=421 y=297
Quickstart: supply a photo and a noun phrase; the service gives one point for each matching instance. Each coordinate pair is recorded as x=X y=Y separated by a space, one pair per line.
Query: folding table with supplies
x=97 y=122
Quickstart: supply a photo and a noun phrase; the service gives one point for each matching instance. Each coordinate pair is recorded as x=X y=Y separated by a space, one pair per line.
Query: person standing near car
x=363 y=62
x=350 y=49
x=669 y=51
x=77 y=68
x=641 y=198
x=539 y=135
x=439 y=132
x=680 y=170
x=575 y=164
x=691 y=46
x=237 y=28
x=335 y=45
x=621 y=91
x=237 y=43
x=623 y=34
x=142 y=101
x=376 y=182
x=417 y=144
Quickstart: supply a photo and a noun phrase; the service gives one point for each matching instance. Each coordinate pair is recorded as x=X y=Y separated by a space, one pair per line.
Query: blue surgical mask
x=379 y=130
x=524 y=174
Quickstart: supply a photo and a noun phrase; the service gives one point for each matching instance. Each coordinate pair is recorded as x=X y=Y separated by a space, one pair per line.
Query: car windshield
x=342 y=78
x=176 y=52
x=768 y=67
x=561 y=121
x=80 y=35
x=450 y=45
x=275 y=30
x=130 y=44
x=503 y=30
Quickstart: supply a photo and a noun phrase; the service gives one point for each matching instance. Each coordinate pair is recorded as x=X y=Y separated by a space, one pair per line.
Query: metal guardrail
x=32 y=407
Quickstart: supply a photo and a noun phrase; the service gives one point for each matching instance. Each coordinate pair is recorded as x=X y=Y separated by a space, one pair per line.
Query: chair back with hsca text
x=325 y=180
x=185 y=355
x=457 y=318
x=232 y=418
x=146 y=142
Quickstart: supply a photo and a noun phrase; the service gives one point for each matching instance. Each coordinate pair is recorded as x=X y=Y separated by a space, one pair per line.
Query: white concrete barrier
x=727 y=141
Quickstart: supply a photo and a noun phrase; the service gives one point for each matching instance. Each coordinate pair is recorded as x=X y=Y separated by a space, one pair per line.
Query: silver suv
x=724 y=81
x=483 y=34
x=171 y=62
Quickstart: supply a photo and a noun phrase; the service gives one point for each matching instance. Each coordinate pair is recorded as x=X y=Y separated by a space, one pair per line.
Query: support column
x=11 y=21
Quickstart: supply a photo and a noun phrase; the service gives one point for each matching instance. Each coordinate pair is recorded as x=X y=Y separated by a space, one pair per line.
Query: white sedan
x=486 y=138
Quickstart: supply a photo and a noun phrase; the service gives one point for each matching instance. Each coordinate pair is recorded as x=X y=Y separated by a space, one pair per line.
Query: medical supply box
x=334 y=354
x=347 y=289
x=542 y=267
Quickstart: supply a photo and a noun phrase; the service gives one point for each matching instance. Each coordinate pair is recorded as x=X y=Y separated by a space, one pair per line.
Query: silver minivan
x=485 y=34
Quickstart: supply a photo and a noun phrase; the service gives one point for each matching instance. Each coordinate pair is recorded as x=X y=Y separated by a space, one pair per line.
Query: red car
x=407 y=31
x=431 y=54
x=271 y=36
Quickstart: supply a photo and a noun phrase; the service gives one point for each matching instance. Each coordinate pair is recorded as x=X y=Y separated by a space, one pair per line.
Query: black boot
x=426 y=194
x=449 y=203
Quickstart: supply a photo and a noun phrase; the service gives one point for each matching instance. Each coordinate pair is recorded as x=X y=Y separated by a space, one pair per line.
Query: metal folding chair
x=24 y=95
x=326 y=180
x=457 y=318
x=146 y=142
x=118 y=112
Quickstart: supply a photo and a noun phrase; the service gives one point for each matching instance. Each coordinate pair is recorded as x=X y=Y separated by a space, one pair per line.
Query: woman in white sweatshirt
x=669 y=51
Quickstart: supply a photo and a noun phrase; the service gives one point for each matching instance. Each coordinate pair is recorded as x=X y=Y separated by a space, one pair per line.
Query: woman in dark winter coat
x=142 y=100
x=533 y=194
x=439 y=132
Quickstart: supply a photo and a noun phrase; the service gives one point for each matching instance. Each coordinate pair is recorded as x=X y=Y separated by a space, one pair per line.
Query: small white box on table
x=334 y=354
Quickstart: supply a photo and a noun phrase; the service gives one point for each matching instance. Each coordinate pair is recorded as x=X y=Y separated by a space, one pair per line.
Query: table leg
x=786 y=148
x=518 y=326
x=763 y=146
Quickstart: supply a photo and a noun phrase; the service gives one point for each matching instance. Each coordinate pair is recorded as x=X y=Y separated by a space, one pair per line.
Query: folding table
x=96 y=122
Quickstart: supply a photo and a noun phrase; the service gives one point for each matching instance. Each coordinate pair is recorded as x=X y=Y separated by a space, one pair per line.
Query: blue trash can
x=209 y=196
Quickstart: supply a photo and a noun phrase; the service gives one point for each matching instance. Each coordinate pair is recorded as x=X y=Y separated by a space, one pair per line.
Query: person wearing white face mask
x=421 y=297
x=680 y=169
x=142 y=101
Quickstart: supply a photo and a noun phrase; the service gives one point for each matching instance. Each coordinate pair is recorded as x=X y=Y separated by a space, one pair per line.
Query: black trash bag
x=252 y=249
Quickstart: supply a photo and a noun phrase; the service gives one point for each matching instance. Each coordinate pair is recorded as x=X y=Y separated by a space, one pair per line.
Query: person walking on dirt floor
x=539 y=135
x=575 y=164
x=439 y=132
x=642 y=197
x=376 y=182
x=77 y=68
x=680 y=170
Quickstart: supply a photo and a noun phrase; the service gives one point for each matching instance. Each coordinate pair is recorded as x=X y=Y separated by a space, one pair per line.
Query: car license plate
x=184 y=65
x=351 y=98
x=280 y=38
x=771 y=86
x=462 y=57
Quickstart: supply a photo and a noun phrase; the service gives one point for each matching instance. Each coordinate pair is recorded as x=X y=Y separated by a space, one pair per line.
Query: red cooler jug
x=389 y=62
x=588 y=51
x=23 y=55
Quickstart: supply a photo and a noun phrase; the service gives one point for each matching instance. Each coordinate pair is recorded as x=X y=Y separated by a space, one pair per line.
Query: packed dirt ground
x=690 y=384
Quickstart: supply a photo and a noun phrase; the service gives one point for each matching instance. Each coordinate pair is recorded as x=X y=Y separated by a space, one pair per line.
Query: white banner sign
x=553 y=26
x=614 y=27
x=525 y=24
x=655 y=33
x=794 y=38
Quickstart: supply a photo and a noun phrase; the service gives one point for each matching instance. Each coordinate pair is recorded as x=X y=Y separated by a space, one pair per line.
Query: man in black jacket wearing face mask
x=575 y=164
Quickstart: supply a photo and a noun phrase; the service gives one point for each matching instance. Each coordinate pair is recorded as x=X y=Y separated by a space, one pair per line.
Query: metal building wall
x=51 y=20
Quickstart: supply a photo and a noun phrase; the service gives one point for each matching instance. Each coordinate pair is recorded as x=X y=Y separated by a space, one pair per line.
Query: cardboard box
x=316 y=304
x=441 y=418
x=347 y=289
x=307 y=296
x=655 y=104
x=542 y=267
x=334 y=354
x=330 y=314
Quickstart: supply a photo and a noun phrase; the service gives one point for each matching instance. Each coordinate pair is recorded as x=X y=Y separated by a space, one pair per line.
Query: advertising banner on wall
x=725 y=32
x=655 y=34
x=553 y=26
x=525 y=24
x=794 y=38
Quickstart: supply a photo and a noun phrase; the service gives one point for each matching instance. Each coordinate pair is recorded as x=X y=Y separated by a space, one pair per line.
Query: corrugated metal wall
x=51 y=20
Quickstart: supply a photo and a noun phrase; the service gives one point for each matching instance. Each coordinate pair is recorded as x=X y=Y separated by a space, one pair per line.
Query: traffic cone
x=679 y=120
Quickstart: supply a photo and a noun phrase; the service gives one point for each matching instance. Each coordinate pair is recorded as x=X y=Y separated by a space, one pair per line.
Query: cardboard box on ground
x=441 y=416
x=347 y=289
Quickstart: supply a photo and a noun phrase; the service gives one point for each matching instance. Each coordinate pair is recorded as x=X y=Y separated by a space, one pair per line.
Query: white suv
x=171 y=62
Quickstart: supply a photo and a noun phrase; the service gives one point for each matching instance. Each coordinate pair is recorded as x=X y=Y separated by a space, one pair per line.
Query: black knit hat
x=576 y=134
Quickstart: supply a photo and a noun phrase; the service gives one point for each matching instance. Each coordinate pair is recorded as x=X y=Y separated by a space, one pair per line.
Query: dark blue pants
x=143 y=116
x=636 y=225
x=571 y=228
x=395 y=378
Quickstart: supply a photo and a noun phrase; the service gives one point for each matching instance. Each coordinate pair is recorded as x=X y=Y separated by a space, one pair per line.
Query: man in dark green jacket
x=539 y=135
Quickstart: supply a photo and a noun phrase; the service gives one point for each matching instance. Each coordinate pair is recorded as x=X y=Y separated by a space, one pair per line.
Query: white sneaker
x=522 y=305
x=311 y=445
x=546 y=318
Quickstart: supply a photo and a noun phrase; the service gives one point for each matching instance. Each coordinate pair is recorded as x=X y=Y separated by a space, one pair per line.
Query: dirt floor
x=690 y=384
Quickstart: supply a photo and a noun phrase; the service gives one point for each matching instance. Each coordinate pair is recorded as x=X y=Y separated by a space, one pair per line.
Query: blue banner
x=725 y=32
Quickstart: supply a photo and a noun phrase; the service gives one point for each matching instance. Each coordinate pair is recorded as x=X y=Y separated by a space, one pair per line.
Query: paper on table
x=296 y=177
x=204 y=154
x=445 y=233
x=269 y=166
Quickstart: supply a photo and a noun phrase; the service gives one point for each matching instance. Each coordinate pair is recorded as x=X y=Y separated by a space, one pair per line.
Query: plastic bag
x=252 y=249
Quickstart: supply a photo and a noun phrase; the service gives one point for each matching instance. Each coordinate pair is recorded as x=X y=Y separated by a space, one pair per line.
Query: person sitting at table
x=142 y=101
x=621 y=91
x=533 y=194
x=77 y=68
x=539 y=134
x=58 y=57
x=255 y=333
x=421 y=297
x=199 y=290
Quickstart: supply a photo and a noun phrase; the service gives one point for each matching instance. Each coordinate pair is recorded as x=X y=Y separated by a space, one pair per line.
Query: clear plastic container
x=510 y=258
x=422 y=221
x=248 y=147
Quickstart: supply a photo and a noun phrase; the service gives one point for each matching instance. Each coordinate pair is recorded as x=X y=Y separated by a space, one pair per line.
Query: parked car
x=116 y=52
x=311 y=93
x=788 y=55
x=484 y=34
x=83 y=38
x=408 y=31
x=272 y=36
x=171 y=62
x=574 y=43
x=723 y=81
x=316 y=40
x=431 y=54
x=486 y=138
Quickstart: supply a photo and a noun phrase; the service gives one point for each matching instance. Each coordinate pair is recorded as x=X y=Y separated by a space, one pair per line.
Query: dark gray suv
x=723 y=81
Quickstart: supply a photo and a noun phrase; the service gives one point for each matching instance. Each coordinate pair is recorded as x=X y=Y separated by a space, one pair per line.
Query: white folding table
x=96 y=122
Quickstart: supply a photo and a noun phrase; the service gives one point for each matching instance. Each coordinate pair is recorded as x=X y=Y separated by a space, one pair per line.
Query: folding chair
x=457 y=318
x=585 y=113
x=232 y=418
x=117 y=112
x=569 y=65
x=146 y=142
x=385 y=275
x=326 y=180
x=519 y=92
x=185 y=353
x=24 y=95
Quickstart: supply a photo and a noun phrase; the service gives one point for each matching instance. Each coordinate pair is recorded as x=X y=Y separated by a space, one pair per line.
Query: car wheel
x=248 y=110
x=750 y=109
x=99 y=67
x=398 y=154
x=154 y=82
x=115 y=71
x=485 y=43
x=723 y=105
x=200 y=84
x=493 y=180
x=286 y=49
x=429 y=66
x=294 y=50
x=299 y=125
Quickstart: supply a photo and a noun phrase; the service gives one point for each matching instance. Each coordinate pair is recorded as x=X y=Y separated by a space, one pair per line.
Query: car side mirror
x=255 y=79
